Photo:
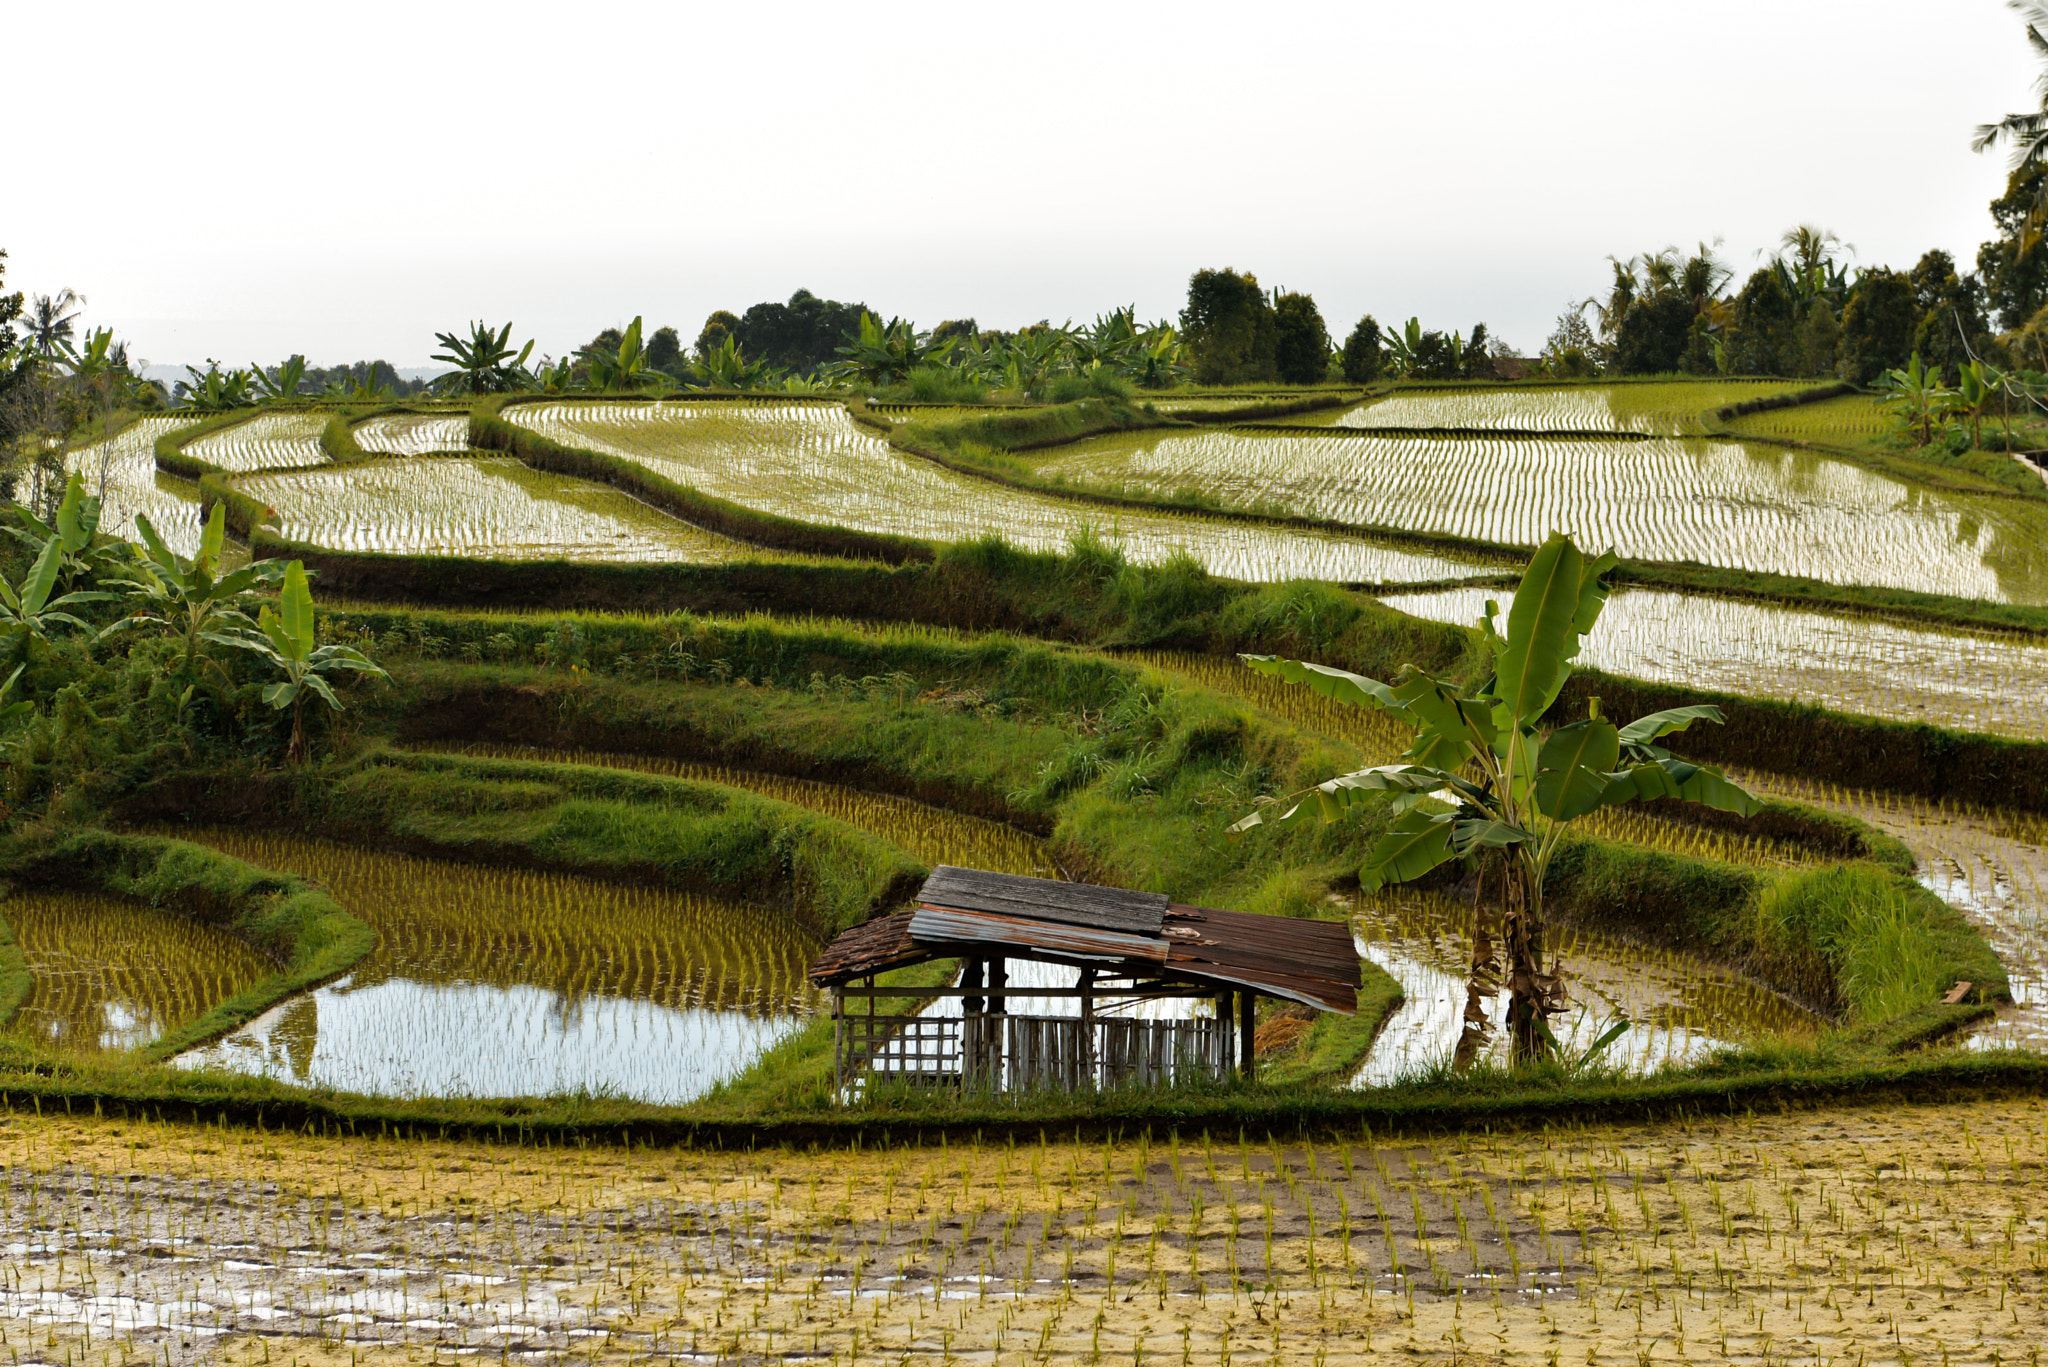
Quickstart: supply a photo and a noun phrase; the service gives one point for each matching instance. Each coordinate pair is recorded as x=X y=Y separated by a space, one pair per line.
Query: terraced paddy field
x=1902 y=1234
x=122 y=471
x=268 y=441
x=1711 y=502
x=933 y=834
x=413 y=434
x=110 y=973
x=502 y=982
x=1990 y=865
x=1988 y=681
x=1655 y=409
x=491 y=506
x=810 y=461
x=1846 y=421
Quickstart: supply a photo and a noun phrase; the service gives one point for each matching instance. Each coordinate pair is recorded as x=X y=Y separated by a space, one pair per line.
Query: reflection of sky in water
x=1987 y=865
x=404 y=1038
x=1680 y=1011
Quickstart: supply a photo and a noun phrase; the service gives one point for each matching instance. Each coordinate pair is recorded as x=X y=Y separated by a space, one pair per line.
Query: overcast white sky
x=247 y=180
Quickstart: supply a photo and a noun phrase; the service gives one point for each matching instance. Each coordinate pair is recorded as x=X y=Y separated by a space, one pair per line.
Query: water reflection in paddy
x=509 y=982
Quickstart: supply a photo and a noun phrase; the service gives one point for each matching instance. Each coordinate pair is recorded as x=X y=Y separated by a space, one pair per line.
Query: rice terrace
x=1233 y=837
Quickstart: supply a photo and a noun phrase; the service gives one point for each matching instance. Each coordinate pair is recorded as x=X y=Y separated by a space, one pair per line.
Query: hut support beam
x=1247 y=1026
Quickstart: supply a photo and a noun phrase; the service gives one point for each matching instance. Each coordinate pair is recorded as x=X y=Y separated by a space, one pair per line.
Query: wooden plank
x=1045 y=899
x=940 y=926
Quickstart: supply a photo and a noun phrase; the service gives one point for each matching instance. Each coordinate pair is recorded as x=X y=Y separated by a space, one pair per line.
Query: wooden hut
x=1128 y=946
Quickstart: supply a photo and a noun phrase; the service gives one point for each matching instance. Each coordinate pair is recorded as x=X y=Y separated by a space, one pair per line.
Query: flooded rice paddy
x=1903 y=1234
x=1679 y=1008
x=492 y=507
x=1989 y=865
x=1711 y=502
x=108 y=973
x=491 y=981
x=1656 y=409
x=812 y=462
x=268 y=441
x=1995 y=682
x=1844 y=421
x=122 y=473
x=413 y=434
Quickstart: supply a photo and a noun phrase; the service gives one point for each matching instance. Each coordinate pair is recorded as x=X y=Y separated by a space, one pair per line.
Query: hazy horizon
x=286 y=181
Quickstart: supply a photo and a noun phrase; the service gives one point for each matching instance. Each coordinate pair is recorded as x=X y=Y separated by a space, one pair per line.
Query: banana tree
x=725 y=367
x=290 y=376
x=29 y=614
x=214 y=390
x=615 y=371
x=288 y=640
x=1918 y=397
x=1486 y=777
x=484 y=363
x=183 y=598
x=76 y=527
x=1402 y=346
x=1976 y=386
x=883 y=354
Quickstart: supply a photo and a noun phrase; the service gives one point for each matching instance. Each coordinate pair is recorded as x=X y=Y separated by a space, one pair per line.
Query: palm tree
x=2026 y=134
x=50 y=320
x=1621 y=296
x=1702 y=276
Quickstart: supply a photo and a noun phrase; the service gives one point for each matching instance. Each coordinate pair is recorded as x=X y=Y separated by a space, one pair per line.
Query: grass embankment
x=297 y=926
x=603 y=823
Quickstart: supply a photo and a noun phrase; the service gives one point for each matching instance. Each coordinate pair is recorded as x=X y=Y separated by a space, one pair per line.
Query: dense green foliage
x=1301 y=344
x=1362 y=355
x=1230 y=328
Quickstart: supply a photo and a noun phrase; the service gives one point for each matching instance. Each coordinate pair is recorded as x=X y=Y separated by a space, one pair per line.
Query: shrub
x=1097 y=382
x=1877 y=326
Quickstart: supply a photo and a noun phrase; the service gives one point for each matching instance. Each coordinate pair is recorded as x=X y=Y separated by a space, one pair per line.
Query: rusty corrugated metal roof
x=1312 y=962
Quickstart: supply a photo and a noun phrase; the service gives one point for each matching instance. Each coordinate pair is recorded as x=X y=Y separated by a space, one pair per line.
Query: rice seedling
x=813 y=463
x=413 y=434
x=509 y=982
x=493 y=507
x=1655 y=409
x=1710 y=502
x=933 y=834
x=269 y=441
x=1681 y=1008
x=1989 y=865
x=1847 y=421
x=1989 y=681
x=122 y=472
x=1900 y=1235
x=109 y=973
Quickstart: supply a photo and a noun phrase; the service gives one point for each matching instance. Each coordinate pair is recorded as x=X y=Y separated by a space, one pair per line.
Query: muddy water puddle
x=108 y=973
x=1900 y=1235
x=509 y=982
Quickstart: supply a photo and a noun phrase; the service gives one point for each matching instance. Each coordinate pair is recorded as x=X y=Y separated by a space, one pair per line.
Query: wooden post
x=998 y=979
x=1226 y=1057
x=1087 y=1027
x=1247 y=1024
x=838 y=1043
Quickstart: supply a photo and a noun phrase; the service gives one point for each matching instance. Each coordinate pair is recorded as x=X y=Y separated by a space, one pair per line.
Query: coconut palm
x=2026 y=133
x=50 y=321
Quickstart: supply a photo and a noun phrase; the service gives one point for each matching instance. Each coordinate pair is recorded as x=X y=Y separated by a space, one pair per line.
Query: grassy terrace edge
x=297 y=926
x=1305 y=1110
